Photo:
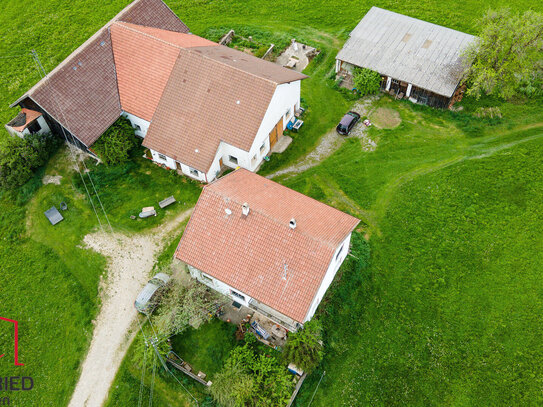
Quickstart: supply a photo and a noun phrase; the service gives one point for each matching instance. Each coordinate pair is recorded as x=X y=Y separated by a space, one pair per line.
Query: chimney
x=245 y=209
x=292 y=224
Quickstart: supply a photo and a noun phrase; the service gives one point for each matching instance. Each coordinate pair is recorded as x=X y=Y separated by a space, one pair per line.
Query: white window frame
x=194 y=171
x=162 y=157
x=233 y=159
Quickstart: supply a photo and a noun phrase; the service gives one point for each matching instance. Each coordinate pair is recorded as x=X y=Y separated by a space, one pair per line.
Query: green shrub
x=366 y=81
x=251 y=379
x=115 y=145
x=20 y=157
x=304 y=347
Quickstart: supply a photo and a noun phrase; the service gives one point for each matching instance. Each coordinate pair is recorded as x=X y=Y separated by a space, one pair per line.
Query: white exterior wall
x=41 y=121
x=285 y=99
x=218 y=285
x=337 y=260
x=136 y=121
x=283 y=103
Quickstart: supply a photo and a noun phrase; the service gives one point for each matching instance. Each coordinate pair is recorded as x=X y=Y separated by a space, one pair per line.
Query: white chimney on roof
x=292 y=223
x=245 y=209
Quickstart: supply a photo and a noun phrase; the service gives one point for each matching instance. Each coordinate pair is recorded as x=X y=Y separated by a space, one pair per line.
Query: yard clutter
x=147 y=211
x=53 y=215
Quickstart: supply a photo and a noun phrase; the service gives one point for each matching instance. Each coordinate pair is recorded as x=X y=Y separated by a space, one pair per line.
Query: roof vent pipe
x=292 y=224
x=245 y=209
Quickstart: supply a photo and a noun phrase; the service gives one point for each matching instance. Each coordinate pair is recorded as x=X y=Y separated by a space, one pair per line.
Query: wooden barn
x=417 y=60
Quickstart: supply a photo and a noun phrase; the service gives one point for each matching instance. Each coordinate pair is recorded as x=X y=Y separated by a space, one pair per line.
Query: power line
x=152 y=382
x=140 y=398
x=153 y=344
x=318 y=384
x=70 y=146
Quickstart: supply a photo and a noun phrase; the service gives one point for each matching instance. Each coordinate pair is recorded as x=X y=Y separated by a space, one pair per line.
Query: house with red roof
x=265 y=246
x=199 y=106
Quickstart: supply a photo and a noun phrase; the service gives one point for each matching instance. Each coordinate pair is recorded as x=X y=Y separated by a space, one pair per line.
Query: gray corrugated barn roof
x=405 y=48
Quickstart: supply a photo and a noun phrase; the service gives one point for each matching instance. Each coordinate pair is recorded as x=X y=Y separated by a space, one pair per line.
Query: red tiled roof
x=144 y=59
x=29 y=117
x=86 y=100
x=213 y=94
x=251 y=253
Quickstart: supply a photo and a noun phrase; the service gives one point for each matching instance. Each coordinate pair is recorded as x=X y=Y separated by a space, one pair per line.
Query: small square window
x=137 y=128
x=194 y=172
x=262 y=147
x=162 y=157
x=207 y=279
x=287 y=114
x=233 y=159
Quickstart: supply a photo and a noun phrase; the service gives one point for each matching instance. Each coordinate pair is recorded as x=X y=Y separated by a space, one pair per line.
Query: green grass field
x=446 y=312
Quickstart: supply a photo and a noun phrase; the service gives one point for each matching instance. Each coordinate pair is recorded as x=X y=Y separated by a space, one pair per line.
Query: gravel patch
x=130 y=260
x=51 y=179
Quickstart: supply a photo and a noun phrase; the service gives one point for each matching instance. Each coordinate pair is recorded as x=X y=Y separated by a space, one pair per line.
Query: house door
x=220 y=163
x=276 y=133
x=178 y=165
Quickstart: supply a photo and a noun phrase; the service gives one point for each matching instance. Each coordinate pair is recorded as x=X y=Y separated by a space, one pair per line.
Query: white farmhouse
x=265 y=246
x=199 y=106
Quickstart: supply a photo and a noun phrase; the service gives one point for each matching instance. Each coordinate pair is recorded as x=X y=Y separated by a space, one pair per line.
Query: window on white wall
x=194 y=172
x=237 y=295
x=207 y=279
x=339 y=252
x=162 y=157
x=262 y=148
x=137 y=127
x=233 y=160
x=289 y=111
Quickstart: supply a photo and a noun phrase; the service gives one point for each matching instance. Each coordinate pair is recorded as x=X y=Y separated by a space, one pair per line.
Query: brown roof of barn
x=81 y=92
x=260 y=255
x=213 y=94
x=139 y=58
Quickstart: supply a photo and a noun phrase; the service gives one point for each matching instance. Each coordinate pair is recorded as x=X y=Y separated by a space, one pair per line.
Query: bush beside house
x=115 y=145
x=19 y=158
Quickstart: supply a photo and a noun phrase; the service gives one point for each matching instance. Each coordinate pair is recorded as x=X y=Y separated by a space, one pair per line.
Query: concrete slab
x=282 y=144
x=296 y=56
x=235 y=315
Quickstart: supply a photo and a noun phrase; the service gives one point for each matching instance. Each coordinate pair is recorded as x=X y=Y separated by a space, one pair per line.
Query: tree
x=251 y=379
x=185 y=305
x=507 y=53
x=366 y=81
x=114 y=146
x=304 y=347
x=20 y=157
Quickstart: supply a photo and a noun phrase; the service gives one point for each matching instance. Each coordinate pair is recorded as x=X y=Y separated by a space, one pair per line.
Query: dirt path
x=330 y=142
x=131 y=258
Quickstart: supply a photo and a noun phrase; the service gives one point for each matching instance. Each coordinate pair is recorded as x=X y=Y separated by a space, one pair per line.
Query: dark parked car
x=347 y=123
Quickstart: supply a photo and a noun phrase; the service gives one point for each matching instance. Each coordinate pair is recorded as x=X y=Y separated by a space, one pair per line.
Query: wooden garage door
x=276 y=133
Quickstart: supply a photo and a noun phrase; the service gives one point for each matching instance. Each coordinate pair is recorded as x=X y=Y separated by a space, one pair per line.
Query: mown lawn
x=206 y=348
x=448 y=311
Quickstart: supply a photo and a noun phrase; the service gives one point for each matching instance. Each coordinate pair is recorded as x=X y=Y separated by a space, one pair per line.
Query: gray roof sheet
x=53 y=215
x=405 y=48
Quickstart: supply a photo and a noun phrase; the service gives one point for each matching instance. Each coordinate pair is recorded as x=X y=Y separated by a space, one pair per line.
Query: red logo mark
x=16 y=341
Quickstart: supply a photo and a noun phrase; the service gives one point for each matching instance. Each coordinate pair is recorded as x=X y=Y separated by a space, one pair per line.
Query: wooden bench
x=168 y=201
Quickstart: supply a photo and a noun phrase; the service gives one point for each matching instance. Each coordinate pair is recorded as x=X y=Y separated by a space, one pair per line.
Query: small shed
x=53 y=215
x=416 y=59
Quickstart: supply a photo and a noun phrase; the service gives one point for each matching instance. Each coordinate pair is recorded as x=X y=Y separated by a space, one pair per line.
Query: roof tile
x=260 y=255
